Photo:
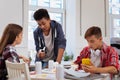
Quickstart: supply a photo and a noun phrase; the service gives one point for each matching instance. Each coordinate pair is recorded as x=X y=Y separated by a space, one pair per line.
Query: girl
x=11 y=37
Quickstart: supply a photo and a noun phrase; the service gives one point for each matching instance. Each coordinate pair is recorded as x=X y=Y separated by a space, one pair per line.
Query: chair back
x=17 y=71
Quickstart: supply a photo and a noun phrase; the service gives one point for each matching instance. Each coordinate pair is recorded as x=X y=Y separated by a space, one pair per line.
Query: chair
x=17 y=71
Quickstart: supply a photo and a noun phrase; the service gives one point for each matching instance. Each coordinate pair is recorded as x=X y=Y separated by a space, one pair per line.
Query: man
x=49 y=38
x=104 y=58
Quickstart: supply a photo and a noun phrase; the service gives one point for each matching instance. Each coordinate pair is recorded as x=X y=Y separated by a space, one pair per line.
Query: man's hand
x=75 y=66
x=41 y=55
x=89 y=68
x=60 y=55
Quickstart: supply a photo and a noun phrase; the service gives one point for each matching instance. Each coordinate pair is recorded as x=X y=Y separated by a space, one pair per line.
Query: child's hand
x=89 y=68
x=25 y=59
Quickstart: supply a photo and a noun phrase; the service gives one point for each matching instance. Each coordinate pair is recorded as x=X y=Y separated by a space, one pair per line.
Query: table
x=38 y=77
x=49 y=76
x=44 y=76
x=90 y=77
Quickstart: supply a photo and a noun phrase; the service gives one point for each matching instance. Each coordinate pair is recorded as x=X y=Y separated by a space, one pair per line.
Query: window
x=114 y=11
x=56 y=11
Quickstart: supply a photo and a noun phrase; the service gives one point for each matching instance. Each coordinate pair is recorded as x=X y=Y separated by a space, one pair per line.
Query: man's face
x=94 y=43
x=44 y=24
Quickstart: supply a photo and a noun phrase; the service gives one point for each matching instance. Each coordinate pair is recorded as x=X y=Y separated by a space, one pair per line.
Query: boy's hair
x=94 y=30
x=41 y=13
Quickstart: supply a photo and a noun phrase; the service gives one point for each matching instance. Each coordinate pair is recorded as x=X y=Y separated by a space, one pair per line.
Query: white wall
x=10 y=13
x=82 y=14
x=23 y=47
x=13 y=11
x=71 y=25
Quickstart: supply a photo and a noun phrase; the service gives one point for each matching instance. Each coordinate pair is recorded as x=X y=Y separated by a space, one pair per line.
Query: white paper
x=79 y=73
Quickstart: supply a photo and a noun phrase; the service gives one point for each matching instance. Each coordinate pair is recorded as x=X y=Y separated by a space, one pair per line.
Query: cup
x=51 y=64
x=38 y=67
x=55 y=64
x=59 y=72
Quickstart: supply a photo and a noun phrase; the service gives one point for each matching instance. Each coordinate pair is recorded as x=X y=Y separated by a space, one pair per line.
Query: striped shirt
x=10 y=54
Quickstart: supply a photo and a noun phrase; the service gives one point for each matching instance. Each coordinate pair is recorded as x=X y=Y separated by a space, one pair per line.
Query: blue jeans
x=44 y=65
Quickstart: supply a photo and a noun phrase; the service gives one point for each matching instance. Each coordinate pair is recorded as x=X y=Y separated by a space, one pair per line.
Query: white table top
x=51 y=76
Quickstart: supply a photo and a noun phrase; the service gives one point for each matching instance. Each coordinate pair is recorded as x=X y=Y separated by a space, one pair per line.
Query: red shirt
x=109 y=56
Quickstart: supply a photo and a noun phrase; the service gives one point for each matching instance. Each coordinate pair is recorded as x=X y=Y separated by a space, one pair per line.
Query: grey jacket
x=57 y=37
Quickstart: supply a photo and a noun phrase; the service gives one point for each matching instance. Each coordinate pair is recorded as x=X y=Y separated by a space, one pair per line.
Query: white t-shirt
x=49 y=47
x=95 y=57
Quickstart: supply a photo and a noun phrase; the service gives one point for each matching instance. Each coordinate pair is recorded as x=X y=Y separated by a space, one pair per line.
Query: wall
x=13 y=11
x=82 y=14
x=9 y=13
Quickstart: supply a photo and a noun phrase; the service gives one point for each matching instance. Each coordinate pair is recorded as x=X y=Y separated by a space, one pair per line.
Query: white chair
x=17 y=71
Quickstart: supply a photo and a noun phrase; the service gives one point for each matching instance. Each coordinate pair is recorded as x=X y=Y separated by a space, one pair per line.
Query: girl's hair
x=9 y=35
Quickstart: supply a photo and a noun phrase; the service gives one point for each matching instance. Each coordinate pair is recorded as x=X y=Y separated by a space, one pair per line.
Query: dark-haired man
x=49 y=38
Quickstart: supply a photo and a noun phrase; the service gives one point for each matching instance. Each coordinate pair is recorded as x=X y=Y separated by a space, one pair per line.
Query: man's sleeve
x=79 y=58
x=61 y=37
x=36 y=41
x=114 y=58
x=83 y=54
